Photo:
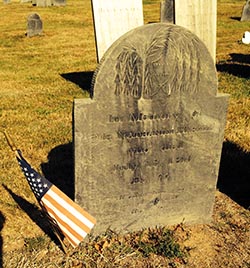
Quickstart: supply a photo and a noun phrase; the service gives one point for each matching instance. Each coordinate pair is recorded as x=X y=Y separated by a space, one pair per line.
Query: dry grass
x=36 y=109
x=233 y=64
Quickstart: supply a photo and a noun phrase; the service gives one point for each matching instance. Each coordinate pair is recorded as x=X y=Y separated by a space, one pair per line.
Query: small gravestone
x=148 y=145
x=245 y=16
x=114 y=18
x=167 y=11
x=34 y=25
x=59 y=2
x=42 y=3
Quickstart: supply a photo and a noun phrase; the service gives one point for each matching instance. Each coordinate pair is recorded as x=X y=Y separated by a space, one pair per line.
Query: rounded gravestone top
x=155 y=61
x=34 y=16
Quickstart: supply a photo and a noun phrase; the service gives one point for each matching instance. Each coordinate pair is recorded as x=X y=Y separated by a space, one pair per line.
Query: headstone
x=34 y=25
x=148 y=145
x=59 y=2
x=200 y=17
x=245 y=16
x=167 y=11
x=42 y=3
x=114 y=18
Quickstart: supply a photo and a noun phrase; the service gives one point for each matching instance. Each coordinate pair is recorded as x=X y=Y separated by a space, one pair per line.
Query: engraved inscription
x=134 y=117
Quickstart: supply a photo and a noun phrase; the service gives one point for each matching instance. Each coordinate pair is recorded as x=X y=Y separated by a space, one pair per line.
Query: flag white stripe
x=70 y=209
x=67 y=232
x=77 y=229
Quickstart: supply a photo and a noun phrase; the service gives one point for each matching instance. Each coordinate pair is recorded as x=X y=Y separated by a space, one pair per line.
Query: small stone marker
x=245 y=16
x=114 y=18
x=59 y=2
x=148 y=145
x=34 y=25
x=200 y=17
x=42 y=3
x=167 y=11
x=25 y=1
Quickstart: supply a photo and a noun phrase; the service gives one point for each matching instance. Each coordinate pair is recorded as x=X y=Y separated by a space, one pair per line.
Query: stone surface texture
x=245 y=16
x=200 y=17
x=34 y=25
x=167 y=11
x=112 y=19
x=148 y=145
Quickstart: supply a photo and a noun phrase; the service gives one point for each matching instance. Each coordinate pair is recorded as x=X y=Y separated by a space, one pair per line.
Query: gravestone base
x=59 y=3
x=42 y=3
x=148 y=145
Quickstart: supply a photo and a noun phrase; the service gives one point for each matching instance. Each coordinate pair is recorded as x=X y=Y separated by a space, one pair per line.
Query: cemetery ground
x=40 y=77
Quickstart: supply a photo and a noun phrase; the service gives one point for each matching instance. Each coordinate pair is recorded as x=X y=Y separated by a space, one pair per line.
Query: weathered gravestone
x=59 y=2
x=148 y=145
x=42 y=3
x=200 y=17
x=245 y=16
x=114 y=18
x=34 y=25
x=167 y=11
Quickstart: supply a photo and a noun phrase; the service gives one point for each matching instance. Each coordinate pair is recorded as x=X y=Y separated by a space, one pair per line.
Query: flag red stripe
x=66 y=213
x=73 y=204
x=66 y=226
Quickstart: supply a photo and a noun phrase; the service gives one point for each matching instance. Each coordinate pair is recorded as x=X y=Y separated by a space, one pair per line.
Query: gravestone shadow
x=236 y=69
x=234 y=174
x=240 y=58
x=238 y=65
x=60 y=168
x=2 y=220
x=35 y=214
x=236 y=18
x=82 y=79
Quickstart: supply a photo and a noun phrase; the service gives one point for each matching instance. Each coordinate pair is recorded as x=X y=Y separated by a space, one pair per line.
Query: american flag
x=73 y=222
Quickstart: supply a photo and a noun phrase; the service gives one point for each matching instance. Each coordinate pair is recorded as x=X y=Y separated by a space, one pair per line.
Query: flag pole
x=54 y=228
x=10 y=141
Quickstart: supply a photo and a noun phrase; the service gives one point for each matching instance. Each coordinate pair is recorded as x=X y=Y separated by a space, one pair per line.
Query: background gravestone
x=59 y=2
x=114 y=18
x=148 y=145
x=167 y=11
x=200 y=17
x=245 y=16
x=34 y=25
x=42 y=3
